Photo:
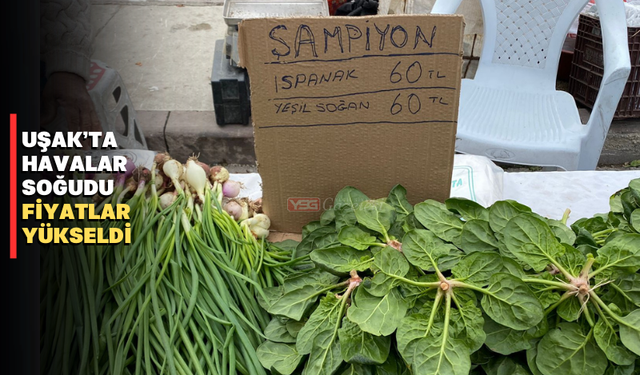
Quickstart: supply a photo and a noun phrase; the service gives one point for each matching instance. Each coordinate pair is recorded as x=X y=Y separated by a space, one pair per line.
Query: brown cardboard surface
x=280 y=236
x=368 y=102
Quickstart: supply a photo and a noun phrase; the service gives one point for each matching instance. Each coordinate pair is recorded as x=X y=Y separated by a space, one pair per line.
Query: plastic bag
x=632 y=9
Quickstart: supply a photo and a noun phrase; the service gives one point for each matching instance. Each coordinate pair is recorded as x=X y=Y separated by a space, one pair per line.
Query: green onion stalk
x=72 y=284
x=245 y=244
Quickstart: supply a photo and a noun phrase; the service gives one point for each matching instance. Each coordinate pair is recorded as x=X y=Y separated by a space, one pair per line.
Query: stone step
x=183 y=133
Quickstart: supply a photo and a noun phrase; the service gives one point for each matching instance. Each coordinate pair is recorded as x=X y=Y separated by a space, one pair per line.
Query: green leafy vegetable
x=398 y=199
x=468 y=290
x=436 y=218
x=361 y=347
x=377 y=216
x=509 y=301
x=532 y=242
x=345 y=204
x=567 y=350
x=477 y=236
x=356 y=238
x=377 y=315
x=342 y=259
x=467 y=208
x=279 y=357
x=607 y=338
x=630 y=331
x=276 y=331
x=505 y=340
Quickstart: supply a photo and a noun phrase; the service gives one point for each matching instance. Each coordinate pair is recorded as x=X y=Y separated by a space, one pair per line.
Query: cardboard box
x=368 y=102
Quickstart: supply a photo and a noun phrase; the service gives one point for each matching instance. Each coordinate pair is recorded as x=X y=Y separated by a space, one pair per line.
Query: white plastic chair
x=511 y=111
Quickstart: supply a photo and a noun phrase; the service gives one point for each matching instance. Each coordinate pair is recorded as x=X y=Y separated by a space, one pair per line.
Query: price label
x=351 y=97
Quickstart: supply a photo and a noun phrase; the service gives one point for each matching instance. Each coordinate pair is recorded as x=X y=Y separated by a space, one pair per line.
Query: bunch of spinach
x=590 y=289
x=456 y=288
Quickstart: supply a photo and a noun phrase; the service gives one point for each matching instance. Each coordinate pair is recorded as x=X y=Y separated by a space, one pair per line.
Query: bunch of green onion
x=181 y=299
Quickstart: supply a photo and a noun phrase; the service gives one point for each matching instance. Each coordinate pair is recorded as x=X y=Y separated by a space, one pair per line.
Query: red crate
x=587 y=68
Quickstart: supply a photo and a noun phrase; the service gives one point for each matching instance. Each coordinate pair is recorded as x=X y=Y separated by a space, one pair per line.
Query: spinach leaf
x=477 y=235
x=393 y=366
x=423 y=249
x=624 y=292
x=361 y=347
x=615 y=203
x=435 y=217
x=572 y=259
x=448 y=261
x=398 y=200
x=321 y=325
x=607 y=339
x=531 y=241
x=294 y=327
x=504 y=366
x=634 y=220
x=427 y=346
x=614 y=369
x=276 y=331
x=567 y=350
x=299 y=292
x=563 y=233
x=324 y=360
x=634 y=187
x=293 y=304
x=328 y=217
x=319 y=238
x=513 y=267
x=279 y=357
x=312 y=226
x=342 y=259
x=532 y=355
x=476 y=268
x=505 y=340
x=380 y=284
x=315 y=277
x=502 y=211
x=570 y=309
x=467 y=321
x=410 y=222
x=439 y=356
x=591 y=225
x=356 y=237
x=376 y=215
x=358 y=369
x=508 y=300
x=345 y=204
x=468 y=209
x=628 y=204
x=630 y=331
x=620 y=255
x=377 y=315
x=397 y=229
x=391 y=262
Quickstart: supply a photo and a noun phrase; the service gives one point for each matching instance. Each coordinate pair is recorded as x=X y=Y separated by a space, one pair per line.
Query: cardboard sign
x=368 y=102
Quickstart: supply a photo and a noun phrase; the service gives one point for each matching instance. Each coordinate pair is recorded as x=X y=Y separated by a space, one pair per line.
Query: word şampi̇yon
x=341 y=39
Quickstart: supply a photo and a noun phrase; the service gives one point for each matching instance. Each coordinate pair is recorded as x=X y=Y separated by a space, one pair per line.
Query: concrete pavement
x=163 y=51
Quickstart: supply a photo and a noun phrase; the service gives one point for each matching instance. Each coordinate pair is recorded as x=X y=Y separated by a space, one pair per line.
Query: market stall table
x=549 y=194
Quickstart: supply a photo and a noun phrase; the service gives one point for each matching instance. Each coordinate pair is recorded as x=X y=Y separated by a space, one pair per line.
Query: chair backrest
x=523 y=41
